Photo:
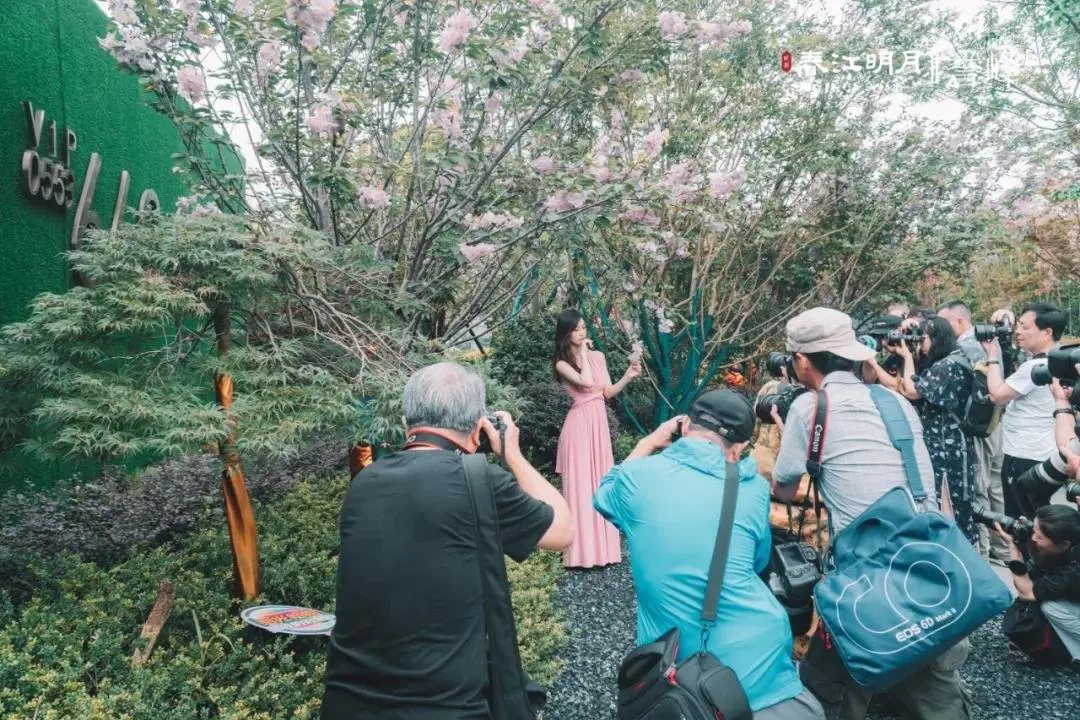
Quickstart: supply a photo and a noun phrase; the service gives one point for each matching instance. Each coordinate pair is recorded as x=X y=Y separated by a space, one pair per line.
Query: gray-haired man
x=410 y=638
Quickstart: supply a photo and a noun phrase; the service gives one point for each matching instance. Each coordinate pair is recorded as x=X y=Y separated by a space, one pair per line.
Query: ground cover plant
x=65 y=652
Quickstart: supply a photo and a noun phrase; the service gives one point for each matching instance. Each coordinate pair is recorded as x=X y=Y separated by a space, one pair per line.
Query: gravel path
x=600 y=622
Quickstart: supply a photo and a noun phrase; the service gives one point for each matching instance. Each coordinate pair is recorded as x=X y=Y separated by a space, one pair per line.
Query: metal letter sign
x=49 y=179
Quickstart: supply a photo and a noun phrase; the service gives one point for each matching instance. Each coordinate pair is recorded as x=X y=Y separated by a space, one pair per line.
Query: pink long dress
x=583 y=459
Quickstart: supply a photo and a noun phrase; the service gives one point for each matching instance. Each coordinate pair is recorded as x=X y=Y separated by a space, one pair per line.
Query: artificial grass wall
x=49 y=55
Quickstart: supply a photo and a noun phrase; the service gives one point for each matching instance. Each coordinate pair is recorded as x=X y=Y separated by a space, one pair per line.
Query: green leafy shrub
x=66 y=652
x=523 y=350
x=548 y=404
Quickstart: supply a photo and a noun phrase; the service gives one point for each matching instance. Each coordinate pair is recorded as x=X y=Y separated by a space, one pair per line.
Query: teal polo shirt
x=668 y=507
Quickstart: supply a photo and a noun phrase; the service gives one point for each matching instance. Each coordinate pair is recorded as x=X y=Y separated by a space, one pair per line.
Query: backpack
x=980 y=415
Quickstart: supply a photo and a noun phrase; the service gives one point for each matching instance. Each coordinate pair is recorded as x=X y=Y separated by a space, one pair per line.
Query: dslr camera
x=1002 y=331
x=484 y=446
x=912 y=337
x=1061 y=364
x=776 y=362
x=791 y=575
x=781 y=399
x=1021 y=529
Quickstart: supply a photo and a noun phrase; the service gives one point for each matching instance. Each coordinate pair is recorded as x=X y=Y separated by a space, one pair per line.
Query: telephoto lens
x=1072 y=492
x=776 y=362
x=1061 y=364
x=1021 y=529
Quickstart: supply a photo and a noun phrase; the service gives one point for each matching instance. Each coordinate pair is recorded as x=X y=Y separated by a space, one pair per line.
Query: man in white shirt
x=1028 y=423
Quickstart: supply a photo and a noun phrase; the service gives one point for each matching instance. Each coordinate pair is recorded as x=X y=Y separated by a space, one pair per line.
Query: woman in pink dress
x=584 y=455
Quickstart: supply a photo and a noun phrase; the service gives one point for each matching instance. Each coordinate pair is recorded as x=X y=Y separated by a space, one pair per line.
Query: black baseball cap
x=726 y=413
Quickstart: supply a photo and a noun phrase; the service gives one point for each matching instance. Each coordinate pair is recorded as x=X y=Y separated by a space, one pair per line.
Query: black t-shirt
x=409 y=639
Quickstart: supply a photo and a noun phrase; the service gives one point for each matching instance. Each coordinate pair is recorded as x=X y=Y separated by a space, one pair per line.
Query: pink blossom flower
x=722 y=184
x=672 y=24
x=474 y=253
x=679 y=174
x=493 y=103
x=654 y=142
x=601 y=173
x=207 y=209
x=718 y=33
x=562 y=201
x=617 y=122
x=456 y=30
x=549 y=7
x=491 y=219
x=129 y=47
x=188 y=7
x=243 y=8
x=310 y=41
x=400 y=19
x=449 y=121
x=311 y=15
x=544 y=164
x=539 y=36
x=637 y=350
x=373 y=198
x=195 y=37
x=268 y=60
x=320 y=120
x=666 y=326
x=123 y=12
x=629 y=77
x=190 y=83
x=639 y=215
x=185 y=203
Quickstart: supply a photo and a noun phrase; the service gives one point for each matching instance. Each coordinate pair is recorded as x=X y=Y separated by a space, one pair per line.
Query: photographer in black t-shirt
x=409 y=641
x=1052 y=577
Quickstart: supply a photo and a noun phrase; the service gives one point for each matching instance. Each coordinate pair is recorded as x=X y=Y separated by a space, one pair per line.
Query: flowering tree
x=422 y=130
x=746 y=194
x=696 y=194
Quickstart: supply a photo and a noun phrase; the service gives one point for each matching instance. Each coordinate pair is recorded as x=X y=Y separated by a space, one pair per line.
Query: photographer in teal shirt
x=668 y=506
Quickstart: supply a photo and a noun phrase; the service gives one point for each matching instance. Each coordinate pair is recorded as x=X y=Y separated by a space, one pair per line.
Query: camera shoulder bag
x=1029 y=630
x=653 y=687
x=980 y=415
x=907 y=585
x=512 y=693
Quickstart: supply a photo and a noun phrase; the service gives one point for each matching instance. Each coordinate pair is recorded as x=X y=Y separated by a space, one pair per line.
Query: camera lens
x=1072 y=491
x=1040 y=375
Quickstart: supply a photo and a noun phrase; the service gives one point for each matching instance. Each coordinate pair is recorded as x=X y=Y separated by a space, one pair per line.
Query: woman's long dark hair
x=566 y=324
x=942 y=338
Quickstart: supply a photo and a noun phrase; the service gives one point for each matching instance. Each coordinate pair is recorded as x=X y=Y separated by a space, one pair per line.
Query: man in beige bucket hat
x=858 y=465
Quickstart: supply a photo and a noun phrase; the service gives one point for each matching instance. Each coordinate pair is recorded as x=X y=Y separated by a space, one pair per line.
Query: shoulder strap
x=900 y=435
x=723 y=542
x=813 y=466
x=817 y=435
x=508 y=697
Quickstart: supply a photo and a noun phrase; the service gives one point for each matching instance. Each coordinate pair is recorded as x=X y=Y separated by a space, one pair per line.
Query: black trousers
x=1017 y=501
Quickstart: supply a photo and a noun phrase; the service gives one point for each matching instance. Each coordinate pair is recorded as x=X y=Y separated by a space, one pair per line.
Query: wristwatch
x=1018 y=567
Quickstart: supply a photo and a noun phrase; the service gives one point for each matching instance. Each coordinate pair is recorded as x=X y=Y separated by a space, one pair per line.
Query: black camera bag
x=653 y=687
x=1029 y=630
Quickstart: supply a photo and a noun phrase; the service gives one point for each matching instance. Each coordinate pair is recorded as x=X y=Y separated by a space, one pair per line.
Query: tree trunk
x=238 y=512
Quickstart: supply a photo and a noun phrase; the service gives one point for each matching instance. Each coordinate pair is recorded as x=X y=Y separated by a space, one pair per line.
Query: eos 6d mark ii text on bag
x=907 y=585
x=653 y=687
